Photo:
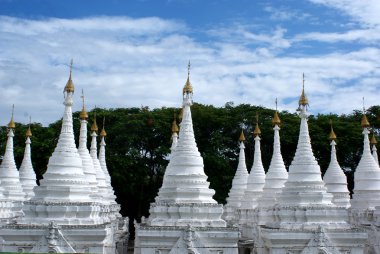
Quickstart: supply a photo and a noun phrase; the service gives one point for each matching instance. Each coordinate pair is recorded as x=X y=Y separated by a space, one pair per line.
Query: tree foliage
x=138 y=143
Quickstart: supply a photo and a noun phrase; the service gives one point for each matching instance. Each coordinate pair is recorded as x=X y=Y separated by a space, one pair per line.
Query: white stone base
x=185 y=240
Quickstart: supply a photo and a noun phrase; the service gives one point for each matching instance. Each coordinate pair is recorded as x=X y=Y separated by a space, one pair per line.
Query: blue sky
x=134 y=53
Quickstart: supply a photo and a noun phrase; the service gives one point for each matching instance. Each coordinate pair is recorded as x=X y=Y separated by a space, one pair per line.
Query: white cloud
x=123 y=62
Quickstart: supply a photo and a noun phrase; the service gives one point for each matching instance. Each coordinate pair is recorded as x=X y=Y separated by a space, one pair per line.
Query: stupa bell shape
x=335 y=180
x=239 y=184
x=88 y=165
x=64 y=179
x=304 y=185
x=185 y=197
x=27 y=175
x=103 y=164
x=367 y=177
x=277 y=174
x=256 y=178
x=10 y=184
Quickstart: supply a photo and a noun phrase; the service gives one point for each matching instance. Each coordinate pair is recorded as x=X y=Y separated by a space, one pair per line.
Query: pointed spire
x=188 y=88
x=239 y=184
x=27 y=175
x=334 y=178
x=332 y=135
x=303 y=101
x=83 y=114
x=174 y=125
x=257 y=130
x=364 y=122
x=373 y=139
x=94 y=126
x=276 y=119
x=69 y=88
x=103 y=133
x=11 y=124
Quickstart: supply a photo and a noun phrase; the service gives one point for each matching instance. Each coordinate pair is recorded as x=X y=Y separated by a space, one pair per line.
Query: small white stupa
x=334 y=178
x=103 y=164
x=88 y=165
x=373 y=143
x=9 y=175
x=275 y=177
x=367 y=176
x=27 y=175
x=174 y=134
x=239 y=185
x=184 y=217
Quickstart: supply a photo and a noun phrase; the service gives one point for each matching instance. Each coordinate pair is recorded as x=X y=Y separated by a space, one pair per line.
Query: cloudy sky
x=135 y=52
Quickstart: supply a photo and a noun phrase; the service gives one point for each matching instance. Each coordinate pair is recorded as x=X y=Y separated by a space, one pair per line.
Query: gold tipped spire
x=103 y=133
x=94 y=126
x=373 y=139
x=276 y=119
x=174 y=125
x=332 y=135
x=242 y=137
x=70 y=85
x=257 y=130
x=28 y=132
x=303 y=99
x=11 y=124
x=180 y=116
x=364 y=122
x=83 y=114
x=188 y=88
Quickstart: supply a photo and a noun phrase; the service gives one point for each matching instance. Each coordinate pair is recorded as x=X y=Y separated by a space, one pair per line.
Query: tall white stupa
x=239 y=185
x=27 y=175
x=185 y=218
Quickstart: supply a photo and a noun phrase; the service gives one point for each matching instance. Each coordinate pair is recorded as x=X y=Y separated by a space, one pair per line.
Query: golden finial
x=70 y=85
x=276 y=119
x=242 y=137
x=332 y=135
x=373 y=139
x=257 y=130
x=83 y=114
x=188 y=88
x=174 y=125
x=303 y=99
x=180 y=116
x=364 y=123
x=11 y=124
x=103 y=133
x=28 y=132
x=94 y=126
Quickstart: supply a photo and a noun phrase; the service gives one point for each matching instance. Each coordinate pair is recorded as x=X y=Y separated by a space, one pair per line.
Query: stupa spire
x=277 y=174
x=10 y=184
x=239 y=184
x=88 y=165
x=256 y=178
x=367 y=175
x=304 y=172
x=174 y=133
x=334 y=178
x=103 y=164
x=27 y=175
x=185 y=183
x=373 y=143
x=100 y=174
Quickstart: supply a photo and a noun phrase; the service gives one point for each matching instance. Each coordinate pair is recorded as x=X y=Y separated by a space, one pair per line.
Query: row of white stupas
x=280 y=212
x=74 y=208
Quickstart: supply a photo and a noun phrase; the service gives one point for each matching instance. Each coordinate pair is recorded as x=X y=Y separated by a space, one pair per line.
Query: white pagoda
x=184 y=217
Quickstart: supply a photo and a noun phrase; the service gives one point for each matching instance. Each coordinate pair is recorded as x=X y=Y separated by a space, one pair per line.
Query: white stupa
x=103 y=164
x=334 y=178
x=373 y=143
x=239 y=185
x=27 y=175
x=9 y=176
x=184 y=217
x=256 y=178
x=367 y=177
